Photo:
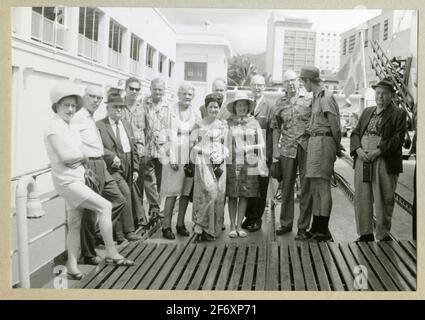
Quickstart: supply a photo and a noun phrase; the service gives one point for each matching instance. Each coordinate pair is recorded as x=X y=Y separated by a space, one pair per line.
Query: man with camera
x=376 y=145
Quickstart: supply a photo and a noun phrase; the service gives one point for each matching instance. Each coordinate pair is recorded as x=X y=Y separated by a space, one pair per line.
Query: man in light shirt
x=92 y=148
x=121 y=155
x=218 y=86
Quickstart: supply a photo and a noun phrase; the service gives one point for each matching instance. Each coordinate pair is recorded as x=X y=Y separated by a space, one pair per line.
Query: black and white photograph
x=213 y=149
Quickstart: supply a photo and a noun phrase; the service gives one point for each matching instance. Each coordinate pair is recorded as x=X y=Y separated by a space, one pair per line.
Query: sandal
x=75 y=276
x=233 y=234
x=121 y=262
x=242 y=234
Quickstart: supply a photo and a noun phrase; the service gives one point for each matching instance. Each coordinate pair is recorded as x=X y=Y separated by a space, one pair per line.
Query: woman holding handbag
x=208 y=153
x=63 y=146
x=247 y=160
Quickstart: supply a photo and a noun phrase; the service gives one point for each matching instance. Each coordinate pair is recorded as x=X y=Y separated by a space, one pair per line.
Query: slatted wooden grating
x=391 y=266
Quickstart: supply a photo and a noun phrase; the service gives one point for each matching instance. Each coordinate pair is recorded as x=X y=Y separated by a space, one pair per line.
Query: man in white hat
x=291 y=120
x=263 y=113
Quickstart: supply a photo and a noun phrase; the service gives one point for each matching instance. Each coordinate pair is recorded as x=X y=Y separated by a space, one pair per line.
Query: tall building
x=291 y=44
x=395 y=32
x=327 y=51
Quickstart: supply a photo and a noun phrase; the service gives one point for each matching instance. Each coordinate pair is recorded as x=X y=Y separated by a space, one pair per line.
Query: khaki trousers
x=379 y=192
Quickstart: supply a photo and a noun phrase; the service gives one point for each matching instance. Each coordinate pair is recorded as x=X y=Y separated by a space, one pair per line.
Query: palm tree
x=240 y=71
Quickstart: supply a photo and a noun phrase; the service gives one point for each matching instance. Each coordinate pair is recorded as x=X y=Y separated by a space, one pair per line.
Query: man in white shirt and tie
x=121 y=155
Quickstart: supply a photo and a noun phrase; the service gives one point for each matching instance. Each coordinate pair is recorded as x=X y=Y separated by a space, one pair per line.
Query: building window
x=161 y=61
x=366 y=37
x=386 y=29
x=195 y=71
x=351 y=43
x=48 y=25
x=135 y=45
x=344 y=47
x=150 y=52
x=170 y=68
x=115 y=45
x=88 y=33
x=375 y=32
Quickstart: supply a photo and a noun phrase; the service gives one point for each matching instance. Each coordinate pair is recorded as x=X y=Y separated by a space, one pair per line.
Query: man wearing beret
x=376 y=145
x=291 y=120
x=323 y=147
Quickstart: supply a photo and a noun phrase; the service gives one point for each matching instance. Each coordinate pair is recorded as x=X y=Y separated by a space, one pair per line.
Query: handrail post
x=26 y=191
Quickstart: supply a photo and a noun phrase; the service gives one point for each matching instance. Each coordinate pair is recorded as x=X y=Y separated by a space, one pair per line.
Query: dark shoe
x=94 y=261
x=283 y=230
x=246 y=223
x=99 y=242
x=181 y=230
x=223 y=228
x=132 y=236
x=365 y=238
x=168 y=234
x=301 y=235
x=319 y=237
x=387 y=238
x=119 y=262
x=254 y=227
x=207 y=237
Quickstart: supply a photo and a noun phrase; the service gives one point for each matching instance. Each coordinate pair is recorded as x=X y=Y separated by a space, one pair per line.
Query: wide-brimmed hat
x=241 y=96
x=384 y=83
x=63 y=90
x=115 y=99
x=310 y=72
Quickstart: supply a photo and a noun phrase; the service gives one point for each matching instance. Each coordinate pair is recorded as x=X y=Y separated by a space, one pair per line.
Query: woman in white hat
x=246 y=145
x=63 y=147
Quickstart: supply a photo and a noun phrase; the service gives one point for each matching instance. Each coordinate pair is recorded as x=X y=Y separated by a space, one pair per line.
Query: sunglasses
x=134 y=89
x=67 y=105
x=119 y=107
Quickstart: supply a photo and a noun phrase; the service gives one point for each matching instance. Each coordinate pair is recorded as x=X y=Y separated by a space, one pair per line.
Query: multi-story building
x=327 y=51
x=291 y=44
x=395 y=32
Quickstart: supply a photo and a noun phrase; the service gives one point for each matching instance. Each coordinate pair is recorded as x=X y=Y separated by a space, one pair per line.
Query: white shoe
x=233 y=234
x=242 y=233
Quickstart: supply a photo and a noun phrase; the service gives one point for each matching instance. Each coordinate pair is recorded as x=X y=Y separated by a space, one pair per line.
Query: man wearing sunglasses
x=134 y=115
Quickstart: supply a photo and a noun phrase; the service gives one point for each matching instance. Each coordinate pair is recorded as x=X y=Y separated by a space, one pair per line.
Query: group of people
x=222 y=152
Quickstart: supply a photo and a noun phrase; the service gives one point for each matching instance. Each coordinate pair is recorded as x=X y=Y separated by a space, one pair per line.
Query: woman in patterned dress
x=246 y=144
x=208 y=154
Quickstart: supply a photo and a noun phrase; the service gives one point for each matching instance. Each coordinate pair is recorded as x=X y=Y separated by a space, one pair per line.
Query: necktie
x=117 y=133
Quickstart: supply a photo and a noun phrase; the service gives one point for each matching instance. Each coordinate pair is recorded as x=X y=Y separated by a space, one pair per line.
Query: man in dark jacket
x=376 y=145
x=121 y=156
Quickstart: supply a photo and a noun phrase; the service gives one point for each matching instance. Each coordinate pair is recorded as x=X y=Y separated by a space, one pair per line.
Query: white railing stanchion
x=27 y=206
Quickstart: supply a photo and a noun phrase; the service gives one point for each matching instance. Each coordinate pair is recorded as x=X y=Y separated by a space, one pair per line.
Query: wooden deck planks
x=408 y=248
x=285 y=268
x=214 y=268
x=274 y=278
x=323 y=280
x=297 y=270
x=260 y=283
x=179 y=267
x=238 y=268
x=204 y=264
x=406 y=258
x=332 y=268
x=343 y=265
x=190 y=269
x=224 y=275
x=248 y=277
x=307 y=267
x=388 y=266
x=157 y=267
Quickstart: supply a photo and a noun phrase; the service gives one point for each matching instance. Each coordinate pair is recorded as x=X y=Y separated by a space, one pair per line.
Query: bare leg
x=243 y=202
x=73 y=240
x=232 y=203
x=168 y=211
x=183 y=203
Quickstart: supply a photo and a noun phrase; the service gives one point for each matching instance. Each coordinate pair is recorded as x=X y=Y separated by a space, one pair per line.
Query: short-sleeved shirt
x=155 y=124
x=322 y=103
x=292 y=117
x=136 y=117
x=84 y=123
x=71 y=144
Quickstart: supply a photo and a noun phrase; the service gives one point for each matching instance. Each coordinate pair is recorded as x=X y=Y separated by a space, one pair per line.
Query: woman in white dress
x=63 y=147
x=176 y=181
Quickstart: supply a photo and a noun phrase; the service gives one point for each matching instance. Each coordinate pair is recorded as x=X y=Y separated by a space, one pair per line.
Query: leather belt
x=321 y=134
x=95 y=158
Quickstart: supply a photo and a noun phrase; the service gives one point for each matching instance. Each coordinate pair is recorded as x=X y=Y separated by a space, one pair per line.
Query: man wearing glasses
x=92 y=146
x=135 y=115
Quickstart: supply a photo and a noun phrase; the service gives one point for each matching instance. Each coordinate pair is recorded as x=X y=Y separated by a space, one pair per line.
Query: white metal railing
x=44 y=30
x=115 y=59
x=135 y=67
x=89 y=48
